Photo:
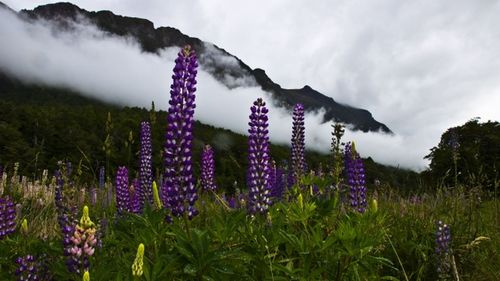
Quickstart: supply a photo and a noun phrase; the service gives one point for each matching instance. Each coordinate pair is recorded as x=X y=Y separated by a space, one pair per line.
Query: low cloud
x=115 y=69
x=215 y=57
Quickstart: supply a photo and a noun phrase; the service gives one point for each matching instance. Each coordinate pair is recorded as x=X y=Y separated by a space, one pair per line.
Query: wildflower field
x=283 y=222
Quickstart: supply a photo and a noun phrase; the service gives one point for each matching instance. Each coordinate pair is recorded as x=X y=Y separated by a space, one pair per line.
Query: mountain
x=231 y=72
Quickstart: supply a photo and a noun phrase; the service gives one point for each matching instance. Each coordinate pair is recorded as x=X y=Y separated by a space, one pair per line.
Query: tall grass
x=307 y=236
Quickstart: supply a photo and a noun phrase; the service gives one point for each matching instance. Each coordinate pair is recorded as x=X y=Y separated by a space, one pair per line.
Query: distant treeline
x=40 y=126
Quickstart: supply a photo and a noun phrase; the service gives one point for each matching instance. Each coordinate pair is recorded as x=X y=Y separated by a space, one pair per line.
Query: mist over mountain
x=92 y=53
x=225 y=67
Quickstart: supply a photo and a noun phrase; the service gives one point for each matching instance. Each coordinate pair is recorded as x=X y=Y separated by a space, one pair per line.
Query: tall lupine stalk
x=7 y=217
x=84 y=241
x=138 y=265
x=208 y=169
x=128 y=197
x=178 y=190
x=29 y=269
x=65 y=220
x=258 y=159
x=122 y=191
x=136 y=202
x=298 y=143
x=338 y=132
x=272 y=174
x=356 y=178
x=443 y=241
x=146 y=164
x=277 y=182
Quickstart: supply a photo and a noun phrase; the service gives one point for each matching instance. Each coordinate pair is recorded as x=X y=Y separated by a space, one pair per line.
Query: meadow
x=281 y=222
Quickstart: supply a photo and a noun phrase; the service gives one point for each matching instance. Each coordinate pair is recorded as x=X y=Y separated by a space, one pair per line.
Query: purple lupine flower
x=298 y=143
x=443 y=238
x=232 y=202
x=82 y=248
x=146 y=164
x=278 y=188
x=29 y=269
x=443 y=241
x=83 y=242
x=122 y=192
x=356 y=178
x=136 y=201
x=258 y=159
x=242 y=199
x=290 y=181
x=102 y=177
x=208 y=169
x=272 y=174
x=7 y=217
x=178 y=189
x=65 y=220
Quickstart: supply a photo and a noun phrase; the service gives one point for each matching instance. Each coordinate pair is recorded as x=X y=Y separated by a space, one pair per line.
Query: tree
x=468 y=154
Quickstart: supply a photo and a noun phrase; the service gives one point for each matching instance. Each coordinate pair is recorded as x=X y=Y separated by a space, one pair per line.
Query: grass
x=316 y=237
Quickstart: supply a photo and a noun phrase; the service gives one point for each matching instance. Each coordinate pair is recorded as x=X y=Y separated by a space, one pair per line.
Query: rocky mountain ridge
x=230 y=71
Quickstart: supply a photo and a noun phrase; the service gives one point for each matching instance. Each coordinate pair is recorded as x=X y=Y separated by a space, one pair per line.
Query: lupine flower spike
x=336 y=146
x=374 y=205
x=136 y=202
x=258 y=158
x=7 y=217
x=178 y=190
x=84 y=240
x=28 y=269
x=272 y=178
x=298 y=143
x=24 y=227
x=278 y=188
x=208 y=169
x=122 y=190
x=146 y=163
x=443 y=241
x=66 y=222
x=137 y=266
x=156 y=196
x=356 y=178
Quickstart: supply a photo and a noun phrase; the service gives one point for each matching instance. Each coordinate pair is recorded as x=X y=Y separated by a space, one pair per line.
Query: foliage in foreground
x=305 y=237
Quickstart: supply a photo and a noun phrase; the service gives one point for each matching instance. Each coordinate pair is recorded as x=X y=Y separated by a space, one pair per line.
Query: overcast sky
x=420 y=67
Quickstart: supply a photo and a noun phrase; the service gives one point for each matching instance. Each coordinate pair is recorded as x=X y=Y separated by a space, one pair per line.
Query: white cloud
x=213 y=56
